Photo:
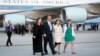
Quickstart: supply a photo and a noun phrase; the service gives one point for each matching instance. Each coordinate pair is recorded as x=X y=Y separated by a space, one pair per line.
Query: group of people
x=94 y=27
x=43 y=34
x=19 y=29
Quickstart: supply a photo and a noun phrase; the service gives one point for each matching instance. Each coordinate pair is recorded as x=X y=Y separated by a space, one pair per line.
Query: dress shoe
x=45 y=53
x=11 y=44
x=73 y=52
x=54 y=52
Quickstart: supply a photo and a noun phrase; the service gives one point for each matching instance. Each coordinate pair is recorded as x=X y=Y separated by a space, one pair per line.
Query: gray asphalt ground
x=86 y=44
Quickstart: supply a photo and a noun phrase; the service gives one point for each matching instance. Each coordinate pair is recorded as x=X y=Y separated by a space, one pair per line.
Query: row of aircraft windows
x=24 y=7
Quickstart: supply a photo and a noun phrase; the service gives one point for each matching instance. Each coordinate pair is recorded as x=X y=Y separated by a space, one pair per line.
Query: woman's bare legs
x=58 y=45
x=59 y=48
x=65 y=45
x=72 y=48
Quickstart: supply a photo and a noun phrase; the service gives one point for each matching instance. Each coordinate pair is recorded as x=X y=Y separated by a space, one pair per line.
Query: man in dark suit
x=9 y=33
x=48 y=37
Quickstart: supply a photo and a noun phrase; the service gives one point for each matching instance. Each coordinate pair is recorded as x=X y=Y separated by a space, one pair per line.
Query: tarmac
x=87 y=43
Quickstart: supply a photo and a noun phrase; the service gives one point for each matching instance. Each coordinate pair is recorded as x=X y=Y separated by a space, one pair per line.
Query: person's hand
x=44 y=35
x=34 y=37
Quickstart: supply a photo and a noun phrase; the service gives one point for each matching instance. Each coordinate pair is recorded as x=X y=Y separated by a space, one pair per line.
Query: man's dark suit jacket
x=47 y=30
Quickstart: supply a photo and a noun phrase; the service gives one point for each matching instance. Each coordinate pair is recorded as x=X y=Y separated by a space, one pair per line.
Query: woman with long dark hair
x=58 y=34
x=69 y=36
x=37 y=36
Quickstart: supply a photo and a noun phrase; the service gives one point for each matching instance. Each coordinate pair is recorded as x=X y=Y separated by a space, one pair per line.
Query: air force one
x=76 y=10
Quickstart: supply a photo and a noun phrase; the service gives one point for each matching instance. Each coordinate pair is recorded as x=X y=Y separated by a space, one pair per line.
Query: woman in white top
x=69 y=36
x=58 y=34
